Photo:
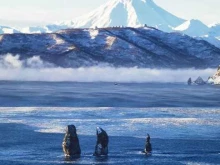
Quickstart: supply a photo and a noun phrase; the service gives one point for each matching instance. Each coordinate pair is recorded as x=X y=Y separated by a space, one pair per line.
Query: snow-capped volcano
x=193 y=28
x=129 y=13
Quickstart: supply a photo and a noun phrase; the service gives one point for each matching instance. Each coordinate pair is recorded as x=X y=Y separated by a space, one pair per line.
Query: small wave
x=116 y=120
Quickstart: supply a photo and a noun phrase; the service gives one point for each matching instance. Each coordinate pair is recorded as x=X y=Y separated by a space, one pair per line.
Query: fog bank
x=34 y=69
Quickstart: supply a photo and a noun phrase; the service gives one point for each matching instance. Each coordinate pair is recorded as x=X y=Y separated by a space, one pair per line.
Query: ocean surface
x=183 y=121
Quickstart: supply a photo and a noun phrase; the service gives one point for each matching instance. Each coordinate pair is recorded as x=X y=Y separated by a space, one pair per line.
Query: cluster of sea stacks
x=215 y=79
x=71 y=146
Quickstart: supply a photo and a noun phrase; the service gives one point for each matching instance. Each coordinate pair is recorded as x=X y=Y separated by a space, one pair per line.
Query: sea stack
x=71 y=147
x=101 y=147
x=148 y=147
x=199 y=81
x=189 y=82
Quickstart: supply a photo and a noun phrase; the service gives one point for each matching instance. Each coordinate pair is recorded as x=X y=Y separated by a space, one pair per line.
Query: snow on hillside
x=129 y=13
x=215 y=30
x=213 y=40
x=119 y=47
x=7 y=30
x=200 y=31
x=35 y=29
x=45 y=29
x=193 y=28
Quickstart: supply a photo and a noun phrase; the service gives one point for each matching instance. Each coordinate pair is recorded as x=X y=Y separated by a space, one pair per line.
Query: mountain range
x=120 y=33
x=143 y=47
x=131 y=13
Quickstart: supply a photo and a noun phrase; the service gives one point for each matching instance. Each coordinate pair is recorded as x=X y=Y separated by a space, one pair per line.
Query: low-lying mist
x=34 y=69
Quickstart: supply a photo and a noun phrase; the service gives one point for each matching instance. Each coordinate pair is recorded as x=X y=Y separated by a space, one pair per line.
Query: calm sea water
x=183 y=122
x=67 y=94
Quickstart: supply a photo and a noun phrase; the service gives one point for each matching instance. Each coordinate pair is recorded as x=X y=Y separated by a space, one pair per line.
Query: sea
x=183 y=122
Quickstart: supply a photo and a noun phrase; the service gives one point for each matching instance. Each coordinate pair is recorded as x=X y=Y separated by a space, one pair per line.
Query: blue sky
x=37 y=12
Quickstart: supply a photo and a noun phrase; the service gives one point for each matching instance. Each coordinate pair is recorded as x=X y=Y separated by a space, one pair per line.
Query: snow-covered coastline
x=216 y=77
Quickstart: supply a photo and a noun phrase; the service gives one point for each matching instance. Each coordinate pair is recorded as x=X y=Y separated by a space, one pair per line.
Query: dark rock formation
x=189 y=82
x=148 y=147
x=101 y=147
x=71 y=146
x=199 y=81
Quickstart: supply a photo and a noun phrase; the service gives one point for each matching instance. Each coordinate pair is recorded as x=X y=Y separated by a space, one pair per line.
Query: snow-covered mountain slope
x=44 y=29
x=193 y=28
x=35 y=29
x=200 y=31
x=127 y=13
x=120 y=47
x=213 y=40
x=135 y=13
x=131 y=13
x=8 y=30
x=215 y=30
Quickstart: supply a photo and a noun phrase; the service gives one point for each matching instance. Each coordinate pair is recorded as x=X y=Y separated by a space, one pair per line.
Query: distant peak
x=195 y=21
x=129 y=13
x=214 y=24
x=193 y=28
